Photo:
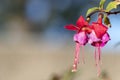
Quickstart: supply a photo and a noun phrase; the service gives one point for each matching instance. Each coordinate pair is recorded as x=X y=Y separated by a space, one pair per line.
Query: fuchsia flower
x=95 y=34
x=98 y=38
x=80 y=38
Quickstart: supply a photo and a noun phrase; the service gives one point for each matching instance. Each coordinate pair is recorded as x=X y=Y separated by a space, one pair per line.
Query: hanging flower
x=80 y=38
x=95 y=34
x=98 y=38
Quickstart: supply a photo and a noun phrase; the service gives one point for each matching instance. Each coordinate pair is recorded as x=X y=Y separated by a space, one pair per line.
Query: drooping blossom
x=98 y=38
x=96 y=34
x=80 y=38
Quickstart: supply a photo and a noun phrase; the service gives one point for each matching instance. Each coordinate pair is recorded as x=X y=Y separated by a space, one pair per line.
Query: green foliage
x=101 y=5
x=91 y=10
x=111 y=5
x=107 y=21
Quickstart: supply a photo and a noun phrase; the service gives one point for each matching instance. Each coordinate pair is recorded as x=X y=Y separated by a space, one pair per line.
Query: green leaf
x=91 y=10
x=107 y=21
x=101 y=5
x=111 y=5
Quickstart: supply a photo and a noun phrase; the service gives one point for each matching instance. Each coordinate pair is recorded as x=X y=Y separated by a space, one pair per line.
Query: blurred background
x=35 y=46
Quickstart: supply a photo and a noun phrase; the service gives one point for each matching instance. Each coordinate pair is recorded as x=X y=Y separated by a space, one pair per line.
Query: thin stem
x=83 y=59
x=99 y=53
x=95 y=56
x=103 y=11
x=76 y=59
x=92 y=14
x=116 y=12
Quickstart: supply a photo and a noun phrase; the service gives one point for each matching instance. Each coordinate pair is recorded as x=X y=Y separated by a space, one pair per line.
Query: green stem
x=116 y=12
x=103 y=11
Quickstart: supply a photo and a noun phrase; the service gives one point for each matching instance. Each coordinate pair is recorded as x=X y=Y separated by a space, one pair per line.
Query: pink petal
x=71 y=27
x=81 y=38
x=93 y=38
x=105 y=39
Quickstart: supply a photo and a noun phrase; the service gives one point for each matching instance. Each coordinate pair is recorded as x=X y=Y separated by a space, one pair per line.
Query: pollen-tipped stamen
x=76 y=59
x=95 y=56
x=83 y=56
x=97 y=59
